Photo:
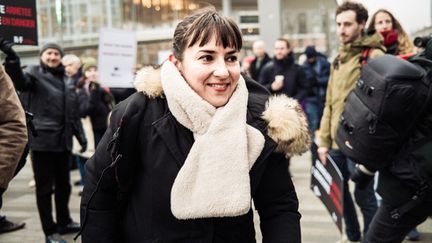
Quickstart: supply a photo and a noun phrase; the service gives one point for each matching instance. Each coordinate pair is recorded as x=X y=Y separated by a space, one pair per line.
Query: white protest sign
x=116 y=57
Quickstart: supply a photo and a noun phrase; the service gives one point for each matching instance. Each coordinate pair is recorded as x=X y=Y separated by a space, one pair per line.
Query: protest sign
x=18 y=21
x=117 y=57
x=327 y=185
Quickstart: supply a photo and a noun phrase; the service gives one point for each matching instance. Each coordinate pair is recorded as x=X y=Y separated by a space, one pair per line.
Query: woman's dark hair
x=203 y=25
x=361 y=12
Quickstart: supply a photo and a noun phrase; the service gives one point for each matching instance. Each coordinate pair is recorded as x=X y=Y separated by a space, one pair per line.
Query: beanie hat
x=310 y=52
x=89 y=64
x=51 y=45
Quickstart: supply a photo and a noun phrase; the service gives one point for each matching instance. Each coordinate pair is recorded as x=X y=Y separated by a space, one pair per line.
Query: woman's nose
x=221 y=70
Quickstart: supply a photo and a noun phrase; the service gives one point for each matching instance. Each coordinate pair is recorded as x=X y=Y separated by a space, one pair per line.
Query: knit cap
x=310 y=52
x=52 y=45
x=89 y=64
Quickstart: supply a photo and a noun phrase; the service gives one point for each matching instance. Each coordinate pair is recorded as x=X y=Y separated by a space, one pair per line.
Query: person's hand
x=6 y=47
x=94 y=85
x=322 y=154
x=83 y=148
x=277 y=85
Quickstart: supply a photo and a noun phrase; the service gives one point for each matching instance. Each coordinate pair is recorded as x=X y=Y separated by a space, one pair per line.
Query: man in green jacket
x=345 y=70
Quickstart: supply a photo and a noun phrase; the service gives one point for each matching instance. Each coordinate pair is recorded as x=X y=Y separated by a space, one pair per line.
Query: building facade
x=75 y=24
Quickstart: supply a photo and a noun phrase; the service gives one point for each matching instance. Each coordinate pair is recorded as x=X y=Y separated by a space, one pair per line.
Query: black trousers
x=384 y=229
x=51 y=171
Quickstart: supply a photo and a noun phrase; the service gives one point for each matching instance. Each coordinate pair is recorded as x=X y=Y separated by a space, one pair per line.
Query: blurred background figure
x=54 y=105
x=94 y=101
x=282 y=75
x=261 y=59
x=246 y=65
x=72 y=65
x=396 y=40
x=317 y=71
x=351 y=18
x=13 y=140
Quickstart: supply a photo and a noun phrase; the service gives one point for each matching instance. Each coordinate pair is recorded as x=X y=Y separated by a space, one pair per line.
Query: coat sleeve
x=323 y=77
x=265 y=77
x=21 y=80
x=325 y=129
x=277 y=203
x=303 y=84
x=100 y=205
x=13 y=131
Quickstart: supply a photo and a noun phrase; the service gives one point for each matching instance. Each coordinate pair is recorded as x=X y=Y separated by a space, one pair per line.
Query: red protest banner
x=18 y=21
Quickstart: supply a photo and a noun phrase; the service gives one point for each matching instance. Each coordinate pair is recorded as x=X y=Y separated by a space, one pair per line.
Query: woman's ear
x=174 y=60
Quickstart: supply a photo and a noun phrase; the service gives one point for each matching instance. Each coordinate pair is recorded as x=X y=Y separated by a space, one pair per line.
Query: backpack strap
x=123 y=144
x=365 y=55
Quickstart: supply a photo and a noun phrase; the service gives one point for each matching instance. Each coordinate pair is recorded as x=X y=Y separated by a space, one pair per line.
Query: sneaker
x=55 y=238
x=72 y=227
x=8 y=226
x=413 y=235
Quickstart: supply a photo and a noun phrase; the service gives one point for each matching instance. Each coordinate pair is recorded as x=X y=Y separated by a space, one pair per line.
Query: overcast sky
x=412 y=14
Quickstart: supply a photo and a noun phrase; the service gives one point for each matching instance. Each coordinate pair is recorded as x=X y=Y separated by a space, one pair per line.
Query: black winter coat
x=97 y=105
x=131 y=202
x=53 y=101
x=254 y=70
x=295 y=82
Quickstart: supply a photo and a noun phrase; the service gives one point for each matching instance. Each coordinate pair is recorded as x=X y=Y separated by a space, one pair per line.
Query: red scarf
x=390 y=37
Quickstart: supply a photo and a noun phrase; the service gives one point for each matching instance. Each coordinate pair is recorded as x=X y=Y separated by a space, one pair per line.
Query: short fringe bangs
x=207 y=26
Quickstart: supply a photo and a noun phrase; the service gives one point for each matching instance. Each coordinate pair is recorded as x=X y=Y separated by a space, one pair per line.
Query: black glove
x=94 y=86
x=6 y=48
x=83 y=148
x=361 y=178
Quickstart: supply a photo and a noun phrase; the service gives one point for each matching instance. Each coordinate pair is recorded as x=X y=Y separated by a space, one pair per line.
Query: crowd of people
x=181 y=159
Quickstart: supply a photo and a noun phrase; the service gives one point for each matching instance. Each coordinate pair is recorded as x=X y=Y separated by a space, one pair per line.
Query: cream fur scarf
x=214 y=180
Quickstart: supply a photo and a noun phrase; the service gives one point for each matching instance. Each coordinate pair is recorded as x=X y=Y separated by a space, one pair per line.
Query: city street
x=20 y=206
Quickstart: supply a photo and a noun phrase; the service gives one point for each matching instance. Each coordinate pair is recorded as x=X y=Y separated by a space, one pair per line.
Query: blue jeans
x=365 y=199
x=80 y=161
x=313 y=115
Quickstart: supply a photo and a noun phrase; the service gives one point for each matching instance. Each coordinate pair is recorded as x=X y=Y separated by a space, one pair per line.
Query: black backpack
x=390 y=98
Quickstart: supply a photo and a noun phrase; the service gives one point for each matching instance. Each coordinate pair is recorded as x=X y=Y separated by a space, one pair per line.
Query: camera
x=422 y=41
x=362 y=176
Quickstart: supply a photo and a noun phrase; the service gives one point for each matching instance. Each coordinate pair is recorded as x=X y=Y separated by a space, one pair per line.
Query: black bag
x=390 y=97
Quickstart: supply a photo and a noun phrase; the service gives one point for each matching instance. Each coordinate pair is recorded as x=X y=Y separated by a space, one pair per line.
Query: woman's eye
x=232 y=59
x=206 y=58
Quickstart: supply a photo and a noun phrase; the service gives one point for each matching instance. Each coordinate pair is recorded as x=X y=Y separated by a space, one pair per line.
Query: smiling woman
x=207 y=56
x=191 y=150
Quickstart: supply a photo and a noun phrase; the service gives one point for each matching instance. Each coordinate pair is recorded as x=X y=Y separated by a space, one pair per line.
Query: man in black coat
x=53 y=102
x=282 y=75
